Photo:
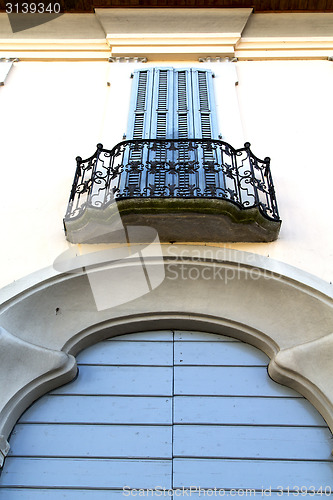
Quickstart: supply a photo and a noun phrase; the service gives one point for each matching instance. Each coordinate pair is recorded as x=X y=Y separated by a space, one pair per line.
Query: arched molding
x=279 y=309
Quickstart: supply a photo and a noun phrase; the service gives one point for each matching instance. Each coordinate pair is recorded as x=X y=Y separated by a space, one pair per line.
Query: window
x=173 y=165
x=168 y=103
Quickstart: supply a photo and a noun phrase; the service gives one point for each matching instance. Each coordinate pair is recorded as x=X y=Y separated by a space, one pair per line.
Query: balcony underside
x=176 y=220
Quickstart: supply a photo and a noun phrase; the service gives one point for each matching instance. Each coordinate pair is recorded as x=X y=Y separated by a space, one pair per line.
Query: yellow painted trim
x=260 y=55
x=49 y=55
x=175 y=49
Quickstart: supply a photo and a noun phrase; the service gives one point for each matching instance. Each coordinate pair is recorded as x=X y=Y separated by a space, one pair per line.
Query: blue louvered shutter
x=183 y=105
x=205 y=124
x=183 y=123
x=162 y=104
x=161 y=128
x=140 y=107
x=169 y=103
x=138 y=128
x=203 y=104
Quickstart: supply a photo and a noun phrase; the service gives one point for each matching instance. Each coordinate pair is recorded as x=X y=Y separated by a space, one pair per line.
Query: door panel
x=167 y=409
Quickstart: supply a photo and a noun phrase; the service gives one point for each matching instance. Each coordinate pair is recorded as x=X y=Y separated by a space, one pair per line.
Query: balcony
x=194 y=190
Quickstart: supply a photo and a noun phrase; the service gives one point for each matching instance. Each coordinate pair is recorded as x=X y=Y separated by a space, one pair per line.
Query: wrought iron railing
x=173 y=168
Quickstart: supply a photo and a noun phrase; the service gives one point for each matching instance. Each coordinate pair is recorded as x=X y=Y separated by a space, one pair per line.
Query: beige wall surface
x=54 y=111
x=51 y=112
x=285 y=109
x=289 y=25
x=132 y=21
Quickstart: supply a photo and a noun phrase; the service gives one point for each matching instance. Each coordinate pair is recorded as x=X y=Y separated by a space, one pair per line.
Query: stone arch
x=282 y=311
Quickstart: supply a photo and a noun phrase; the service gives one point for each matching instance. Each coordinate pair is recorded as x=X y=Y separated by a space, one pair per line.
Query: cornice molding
x=188 y=35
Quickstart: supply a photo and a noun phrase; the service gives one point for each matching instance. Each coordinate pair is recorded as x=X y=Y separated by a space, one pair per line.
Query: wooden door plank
x=227 y=381
x=109 y=441
x=128 y=353
x=97 y=494
x=121 y=380
x=60 y=494
x=239 y=493
x=218 y=353
x=86 y=473
x=251 y=473
x=100 y=410
x=188 y=336
x=245 y=410
x=282 y=443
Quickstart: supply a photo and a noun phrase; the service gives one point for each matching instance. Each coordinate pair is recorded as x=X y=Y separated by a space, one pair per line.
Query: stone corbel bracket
x=5 y=67
x=27 y=371
x=307 y=368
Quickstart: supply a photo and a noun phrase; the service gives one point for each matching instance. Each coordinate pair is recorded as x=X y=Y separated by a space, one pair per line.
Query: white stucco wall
x=286 y=109
x=53 y=111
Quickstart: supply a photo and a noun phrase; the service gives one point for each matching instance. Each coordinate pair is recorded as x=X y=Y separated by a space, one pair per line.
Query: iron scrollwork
x=173 y=168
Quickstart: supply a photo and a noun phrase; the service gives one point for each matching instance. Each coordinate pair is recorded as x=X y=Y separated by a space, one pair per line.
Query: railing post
x=201 y=171
x=247 y=146
x=74 y=185
x=98 y=152
x=271 y=189
x=76 y=177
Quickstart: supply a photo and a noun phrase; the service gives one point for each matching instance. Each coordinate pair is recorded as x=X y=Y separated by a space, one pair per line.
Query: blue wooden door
x=171 y=410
